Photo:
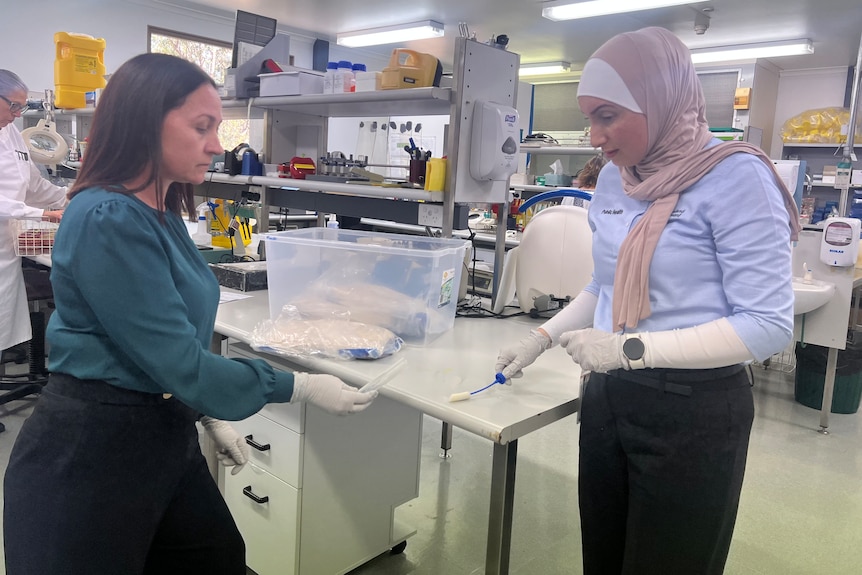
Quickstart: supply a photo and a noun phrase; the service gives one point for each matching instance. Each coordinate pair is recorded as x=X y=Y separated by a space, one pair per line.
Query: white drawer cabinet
x=267 y=511
x=320 y=494
x=273 y=448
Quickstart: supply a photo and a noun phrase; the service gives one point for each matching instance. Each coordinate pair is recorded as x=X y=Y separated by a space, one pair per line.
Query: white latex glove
x=511 y=360
x=329 y=393
x=595 y=350
x=705 y=346
x=232 y=449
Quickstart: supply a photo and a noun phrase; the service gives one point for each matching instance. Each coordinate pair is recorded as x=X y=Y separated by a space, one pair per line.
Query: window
x=555 y=106
x=719 y=89
x=214 y=56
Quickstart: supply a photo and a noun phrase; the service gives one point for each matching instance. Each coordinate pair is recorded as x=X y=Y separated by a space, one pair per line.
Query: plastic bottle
x=202 y=236
x=329 y=78
x=343 y=76
x=356 y=68
x=331 y=222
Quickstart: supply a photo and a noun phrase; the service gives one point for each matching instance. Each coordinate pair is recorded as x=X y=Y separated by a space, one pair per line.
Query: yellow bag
x=818 y=126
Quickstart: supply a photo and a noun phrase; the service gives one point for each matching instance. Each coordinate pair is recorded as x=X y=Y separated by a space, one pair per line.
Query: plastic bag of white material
x=332 y=337
x=350 y=291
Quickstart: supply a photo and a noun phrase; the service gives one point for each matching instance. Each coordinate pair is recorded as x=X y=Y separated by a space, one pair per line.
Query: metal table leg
x=446 y=441
x=502 y=505
x=828 y=388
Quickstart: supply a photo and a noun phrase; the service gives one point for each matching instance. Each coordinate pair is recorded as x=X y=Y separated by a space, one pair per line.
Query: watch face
x=633 y=348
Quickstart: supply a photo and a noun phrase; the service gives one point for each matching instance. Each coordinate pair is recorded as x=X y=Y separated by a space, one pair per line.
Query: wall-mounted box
x=742 y=99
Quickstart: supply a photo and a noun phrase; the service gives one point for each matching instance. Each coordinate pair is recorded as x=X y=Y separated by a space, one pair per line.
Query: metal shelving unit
x=298 y=125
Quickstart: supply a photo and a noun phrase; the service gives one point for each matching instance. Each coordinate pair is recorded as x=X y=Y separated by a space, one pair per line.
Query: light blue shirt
x=725 y=252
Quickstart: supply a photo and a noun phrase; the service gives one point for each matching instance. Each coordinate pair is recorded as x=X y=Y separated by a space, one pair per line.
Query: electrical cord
x=472 y=306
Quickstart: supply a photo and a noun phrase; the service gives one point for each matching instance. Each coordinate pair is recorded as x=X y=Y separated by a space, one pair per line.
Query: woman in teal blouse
x=106 y=476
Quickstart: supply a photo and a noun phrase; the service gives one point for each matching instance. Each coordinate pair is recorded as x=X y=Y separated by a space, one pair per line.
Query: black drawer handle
x=250 y=440
x=250 y=494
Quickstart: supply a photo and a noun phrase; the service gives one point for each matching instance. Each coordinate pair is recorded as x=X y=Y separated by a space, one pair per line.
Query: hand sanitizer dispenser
x=840 y=244
x=494 y=141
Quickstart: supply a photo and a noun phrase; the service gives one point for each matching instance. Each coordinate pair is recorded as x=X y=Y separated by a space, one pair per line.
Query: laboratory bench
x=383 y=443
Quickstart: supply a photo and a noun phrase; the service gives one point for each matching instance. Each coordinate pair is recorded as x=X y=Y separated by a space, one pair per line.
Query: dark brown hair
x=589 y=174
x=126 y=136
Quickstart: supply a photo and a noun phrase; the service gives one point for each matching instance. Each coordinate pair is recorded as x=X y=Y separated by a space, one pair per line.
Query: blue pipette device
x=499 y=379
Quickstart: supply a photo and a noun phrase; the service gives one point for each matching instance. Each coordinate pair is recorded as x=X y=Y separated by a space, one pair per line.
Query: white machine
x=840 y=244
x=554 y=259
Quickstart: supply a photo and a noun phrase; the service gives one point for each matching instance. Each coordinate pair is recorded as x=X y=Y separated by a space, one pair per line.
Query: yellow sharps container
x=78 y=68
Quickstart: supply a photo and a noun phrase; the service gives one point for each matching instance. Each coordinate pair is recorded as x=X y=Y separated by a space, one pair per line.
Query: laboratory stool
x=39 y=296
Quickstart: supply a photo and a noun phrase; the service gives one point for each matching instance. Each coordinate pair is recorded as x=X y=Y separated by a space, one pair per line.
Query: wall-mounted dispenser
x=840 y=244
x=495 y=141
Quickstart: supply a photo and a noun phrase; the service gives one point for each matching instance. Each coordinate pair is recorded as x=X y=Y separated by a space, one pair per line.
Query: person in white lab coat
x=24 y=193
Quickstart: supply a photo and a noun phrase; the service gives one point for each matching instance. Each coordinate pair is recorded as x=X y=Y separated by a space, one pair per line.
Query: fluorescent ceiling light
x=542 y=68
x=391 y=34
x=752 y=51
x=603 y=7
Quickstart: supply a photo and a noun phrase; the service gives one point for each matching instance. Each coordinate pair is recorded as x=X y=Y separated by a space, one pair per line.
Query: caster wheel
x=398 y=549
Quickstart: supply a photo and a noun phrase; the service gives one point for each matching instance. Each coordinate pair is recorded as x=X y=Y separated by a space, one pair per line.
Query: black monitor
x=251 y=29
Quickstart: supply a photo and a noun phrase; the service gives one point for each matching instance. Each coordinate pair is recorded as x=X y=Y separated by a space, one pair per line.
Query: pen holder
x=417 y=171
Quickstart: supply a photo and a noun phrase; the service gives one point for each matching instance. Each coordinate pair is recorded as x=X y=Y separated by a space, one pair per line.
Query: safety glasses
x=14 y=107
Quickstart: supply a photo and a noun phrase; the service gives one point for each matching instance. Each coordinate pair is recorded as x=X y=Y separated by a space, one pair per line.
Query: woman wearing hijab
x=692 y=266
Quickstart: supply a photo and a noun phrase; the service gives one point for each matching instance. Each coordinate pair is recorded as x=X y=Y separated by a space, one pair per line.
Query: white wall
x=800 y=90
x=764 y=94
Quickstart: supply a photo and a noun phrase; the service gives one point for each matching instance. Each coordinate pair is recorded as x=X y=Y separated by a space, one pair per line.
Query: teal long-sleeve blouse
x=136 y=305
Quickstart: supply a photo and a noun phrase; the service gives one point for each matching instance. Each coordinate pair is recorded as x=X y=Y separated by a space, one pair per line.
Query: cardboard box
x=407 y=284
x=291 y=83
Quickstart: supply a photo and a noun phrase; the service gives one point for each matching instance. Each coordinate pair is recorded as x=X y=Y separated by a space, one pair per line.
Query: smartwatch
x=633 y=349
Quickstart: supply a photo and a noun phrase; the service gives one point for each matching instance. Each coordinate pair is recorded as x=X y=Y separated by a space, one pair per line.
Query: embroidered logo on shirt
x=23 y=156
x=612 y=212
x=676 y=214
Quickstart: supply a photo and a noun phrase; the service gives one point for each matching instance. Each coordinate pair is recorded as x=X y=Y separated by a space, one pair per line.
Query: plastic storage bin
x=367 y=81
x=811 y=377
x=292 y=83
x=408 y=284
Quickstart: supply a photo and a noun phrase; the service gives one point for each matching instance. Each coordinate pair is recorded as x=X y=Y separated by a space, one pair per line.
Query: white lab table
x=423 y=377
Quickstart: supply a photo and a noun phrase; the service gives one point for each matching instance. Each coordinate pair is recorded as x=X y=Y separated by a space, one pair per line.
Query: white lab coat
x=24 y=193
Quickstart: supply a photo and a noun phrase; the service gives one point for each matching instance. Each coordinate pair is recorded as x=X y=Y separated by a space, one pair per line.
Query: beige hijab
x=656 y=68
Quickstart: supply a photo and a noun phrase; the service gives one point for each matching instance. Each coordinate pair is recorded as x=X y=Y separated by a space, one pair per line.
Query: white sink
x=810 y=295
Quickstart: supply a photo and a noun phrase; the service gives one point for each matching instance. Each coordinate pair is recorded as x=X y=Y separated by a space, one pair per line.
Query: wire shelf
x=785 y=361
x=33 y=237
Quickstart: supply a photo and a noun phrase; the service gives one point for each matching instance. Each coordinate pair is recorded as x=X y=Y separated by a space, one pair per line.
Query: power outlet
x=431 y=215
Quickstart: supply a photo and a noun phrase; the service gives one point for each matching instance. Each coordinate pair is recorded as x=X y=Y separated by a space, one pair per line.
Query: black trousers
x=661 y=471
x=108 y=481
